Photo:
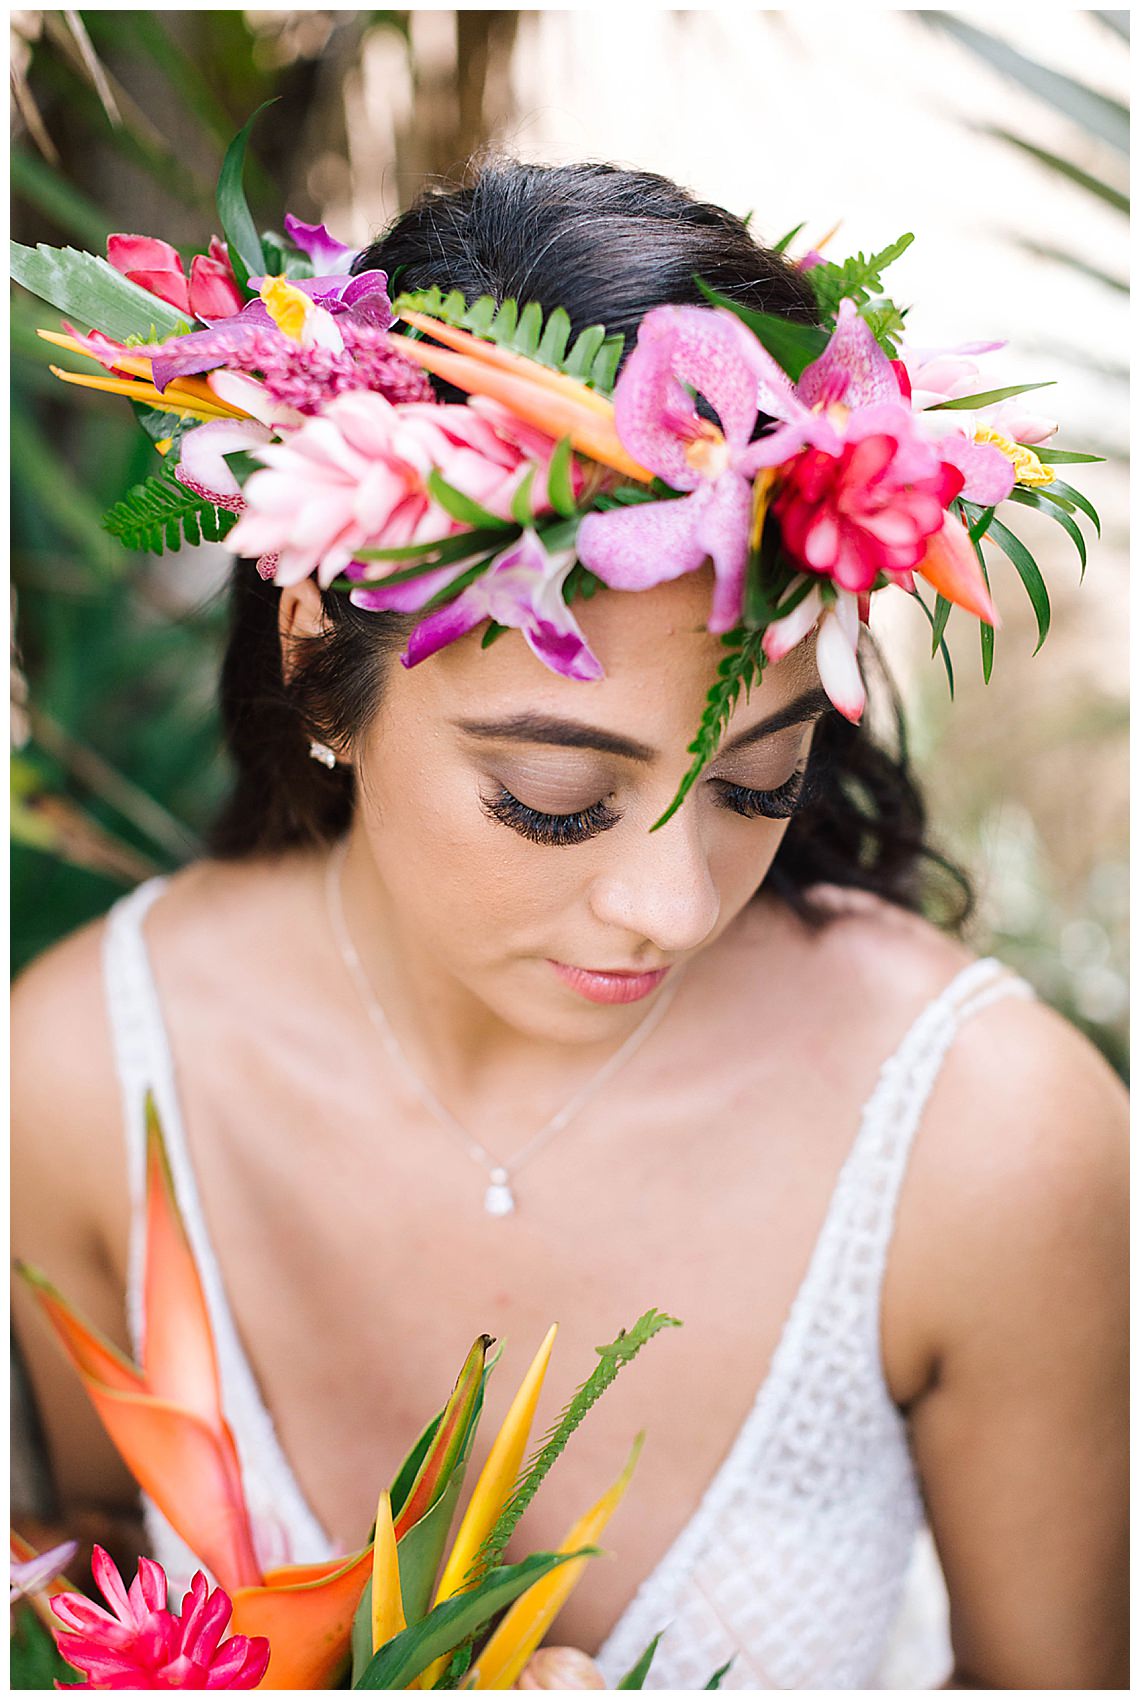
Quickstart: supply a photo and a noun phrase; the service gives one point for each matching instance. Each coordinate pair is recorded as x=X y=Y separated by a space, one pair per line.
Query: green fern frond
x=612 y=1358
x=737 y=671
x=859 y=277
x=593 y=356
x=161 y=514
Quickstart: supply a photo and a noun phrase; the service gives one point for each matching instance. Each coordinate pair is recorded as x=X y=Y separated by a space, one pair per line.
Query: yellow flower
x=288 y=306
x=1027 y=469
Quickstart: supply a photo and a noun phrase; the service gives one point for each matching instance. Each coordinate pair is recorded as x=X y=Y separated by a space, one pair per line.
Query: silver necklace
x=499 y=1198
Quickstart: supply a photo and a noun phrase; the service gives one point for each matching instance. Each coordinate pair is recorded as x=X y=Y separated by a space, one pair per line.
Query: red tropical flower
x=140 y=1643
x=210 y=292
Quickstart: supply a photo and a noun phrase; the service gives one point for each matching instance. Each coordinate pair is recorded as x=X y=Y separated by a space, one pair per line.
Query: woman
x=367 y=1015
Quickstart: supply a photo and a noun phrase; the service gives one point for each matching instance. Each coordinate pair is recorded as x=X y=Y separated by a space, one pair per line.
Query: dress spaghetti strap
x=285 y=1528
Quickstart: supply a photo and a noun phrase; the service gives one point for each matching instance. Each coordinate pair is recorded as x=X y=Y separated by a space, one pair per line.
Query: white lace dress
x=807 y=1562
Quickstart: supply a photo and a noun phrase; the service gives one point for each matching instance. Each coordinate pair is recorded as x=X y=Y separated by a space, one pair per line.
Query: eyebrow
x=528 y=728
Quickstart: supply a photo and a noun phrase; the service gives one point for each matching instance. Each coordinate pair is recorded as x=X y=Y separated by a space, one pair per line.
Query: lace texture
x=807 y=1562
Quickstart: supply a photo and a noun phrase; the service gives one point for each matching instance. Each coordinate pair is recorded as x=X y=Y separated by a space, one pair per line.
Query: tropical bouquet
x=416 y=1607
x=297 y=403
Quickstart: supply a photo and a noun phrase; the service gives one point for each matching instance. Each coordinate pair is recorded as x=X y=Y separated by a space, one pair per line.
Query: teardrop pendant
x=499 y=1200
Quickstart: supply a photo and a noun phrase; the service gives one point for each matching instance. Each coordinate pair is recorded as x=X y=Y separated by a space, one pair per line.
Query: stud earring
x=322 y=753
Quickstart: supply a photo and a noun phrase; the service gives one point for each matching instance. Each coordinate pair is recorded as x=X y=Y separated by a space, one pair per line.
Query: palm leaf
x=1029 y=573
x=85 y=287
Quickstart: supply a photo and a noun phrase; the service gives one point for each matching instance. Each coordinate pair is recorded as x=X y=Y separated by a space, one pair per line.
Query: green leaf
x=247 y=256
x=415 y=1648
x=593 y=358
x=983 y=398
x=1066 y=493
x=464 y=508
x=782 y=246
x=941 y=646
x=718 y=1676
x=858 y=278
x=980 y=525
x=737 y=671
x=35 y=1660
x=792 y=346
x=559 y=483
x=521 y=511
x=421 y=1550
x=941 y=614
x=1029 y=573
x=428 y=555
x=161 y=512
x=613 y=1358
x=1055 y=509
x=635 y=1678
x=50 y=193
x=493 y=631
x=1108 y=192
x=1065 y=457
x=410 y=1468
x=88 y=289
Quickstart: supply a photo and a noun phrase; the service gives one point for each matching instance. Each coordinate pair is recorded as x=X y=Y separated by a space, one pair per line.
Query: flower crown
x=302 y=425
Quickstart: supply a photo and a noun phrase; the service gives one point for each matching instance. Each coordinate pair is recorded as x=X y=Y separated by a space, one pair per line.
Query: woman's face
x=508 y=809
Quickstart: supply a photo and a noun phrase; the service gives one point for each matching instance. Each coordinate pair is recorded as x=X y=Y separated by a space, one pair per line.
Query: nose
x=659 y=885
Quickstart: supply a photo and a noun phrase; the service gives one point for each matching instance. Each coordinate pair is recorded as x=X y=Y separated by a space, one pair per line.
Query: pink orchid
x=522 y=588
x=658 y=423
x=882 y=503
x=356 y=478
x=140 y=1643
x=210 y=292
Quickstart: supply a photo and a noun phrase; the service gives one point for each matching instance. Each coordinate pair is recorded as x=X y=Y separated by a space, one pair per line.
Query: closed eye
x=778 y=804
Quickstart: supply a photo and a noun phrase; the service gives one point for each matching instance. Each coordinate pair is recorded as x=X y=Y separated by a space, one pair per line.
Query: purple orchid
x=32 y=1575
x=522 y=588
x=710 y=350
x=363 y=299
x=327 y=254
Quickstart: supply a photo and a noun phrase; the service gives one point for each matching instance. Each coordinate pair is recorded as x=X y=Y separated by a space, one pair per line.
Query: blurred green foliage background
x=120 y=122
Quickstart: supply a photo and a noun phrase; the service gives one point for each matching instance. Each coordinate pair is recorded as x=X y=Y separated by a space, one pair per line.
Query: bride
x=445 y=1039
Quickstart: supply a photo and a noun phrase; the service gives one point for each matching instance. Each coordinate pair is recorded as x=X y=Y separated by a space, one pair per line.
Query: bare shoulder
x=65 y=1101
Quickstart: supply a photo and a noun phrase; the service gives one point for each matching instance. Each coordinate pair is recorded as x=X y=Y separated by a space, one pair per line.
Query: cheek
x=462 y=875
x=744 y=852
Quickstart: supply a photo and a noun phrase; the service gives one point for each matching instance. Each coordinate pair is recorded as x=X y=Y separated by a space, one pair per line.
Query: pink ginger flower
x=948 y=374
x=356 y=478
x=140 y=1643
x=210 y=292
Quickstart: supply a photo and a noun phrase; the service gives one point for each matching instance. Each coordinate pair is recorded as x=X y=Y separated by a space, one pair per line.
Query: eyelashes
x=778 y=804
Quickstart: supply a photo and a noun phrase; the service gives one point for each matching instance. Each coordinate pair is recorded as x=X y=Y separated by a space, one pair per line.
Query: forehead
x=657 y=657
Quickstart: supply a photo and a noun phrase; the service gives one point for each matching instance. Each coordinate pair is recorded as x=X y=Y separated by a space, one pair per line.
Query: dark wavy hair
x=606 y=244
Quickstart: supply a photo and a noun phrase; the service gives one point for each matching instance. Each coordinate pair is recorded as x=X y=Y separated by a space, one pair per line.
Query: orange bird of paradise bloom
x=165 y=1417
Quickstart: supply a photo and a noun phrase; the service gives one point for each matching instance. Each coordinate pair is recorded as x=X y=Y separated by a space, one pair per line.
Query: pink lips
x=602 y=987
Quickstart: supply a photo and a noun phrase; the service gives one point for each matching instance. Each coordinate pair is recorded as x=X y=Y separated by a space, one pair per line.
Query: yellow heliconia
x=502 y=1660
x=191 y=397
x=494 y=1487
x=387 y=1601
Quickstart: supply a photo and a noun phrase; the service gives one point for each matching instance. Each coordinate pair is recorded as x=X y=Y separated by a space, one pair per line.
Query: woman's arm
x=1020 y=1438
x=69 y=1209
